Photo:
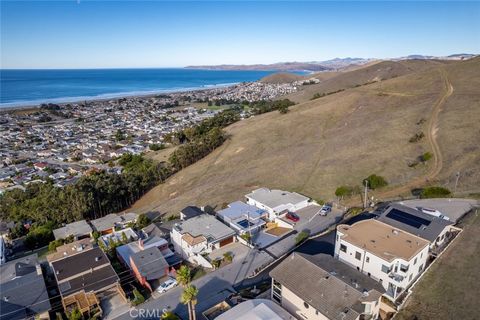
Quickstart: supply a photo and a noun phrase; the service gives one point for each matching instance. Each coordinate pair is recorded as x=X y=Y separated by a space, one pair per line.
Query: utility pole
x=365 y=196
x=456 y=182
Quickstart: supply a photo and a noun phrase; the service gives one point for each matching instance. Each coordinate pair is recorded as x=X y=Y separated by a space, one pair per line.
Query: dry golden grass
x=338 y=139
x=450 y=288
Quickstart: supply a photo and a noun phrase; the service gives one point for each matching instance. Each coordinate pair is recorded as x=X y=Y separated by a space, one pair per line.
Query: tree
x=124 y=238
x=119 y=135
x=142 y=221
x=75 y=315
x=184 y=276
x=96 y=235
x=189 y=297
x=375 y=182
x=283 y=109
x=156 y=146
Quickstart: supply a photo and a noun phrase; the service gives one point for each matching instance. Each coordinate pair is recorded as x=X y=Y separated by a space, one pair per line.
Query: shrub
x=246 y=236
x=53 y=245
x=156 y=146
x=345 y=191
x=283 y=109
x=417 y=137
x=375 y=182
x=434 y=192
x=302 y=236
x=426 y=156
x=228 y=257
x=138 y=298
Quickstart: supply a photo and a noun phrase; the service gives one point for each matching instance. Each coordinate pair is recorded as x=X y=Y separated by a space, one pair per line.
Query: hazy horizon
x=106 y=35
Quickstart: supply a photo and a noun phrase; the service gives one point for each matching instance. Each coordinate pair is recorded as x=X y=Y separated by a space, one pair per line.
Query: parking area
x=113 y=306
x=237 y=250
x=311 y=220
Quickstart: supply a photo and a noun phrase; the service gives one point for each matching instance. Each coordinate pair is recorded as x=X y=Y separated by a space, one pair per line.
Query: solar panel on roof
x=407 y=218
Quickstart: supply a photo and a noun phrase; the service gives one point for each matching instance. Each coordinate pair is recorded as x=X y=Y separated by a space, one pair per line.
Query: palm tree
x=189 y=297
x=184 y=276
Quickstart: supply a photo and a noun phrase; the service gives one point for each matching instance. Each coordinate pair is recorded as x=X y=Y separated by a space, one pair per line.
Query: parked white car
x=167 y=285
x=326 y=208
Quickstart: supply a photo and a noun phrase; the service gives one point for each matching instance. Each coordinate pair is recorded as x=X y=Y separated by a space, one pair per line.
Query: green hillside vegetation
x=344 y=137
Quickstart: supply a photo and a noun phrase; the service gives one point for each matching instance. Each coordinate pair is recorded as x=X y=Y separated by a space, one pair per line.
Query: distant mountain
x=457 y=56
x=327 y=65
x=281 y=66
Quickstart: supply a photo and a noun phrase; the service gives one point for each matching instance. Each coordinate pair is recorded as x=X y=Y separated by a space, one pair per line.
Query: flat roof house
x=322 y=287
x=276 y=202
x=89 y=271
x=389 y=255
x=431 y=228
x=23 y=291
x=201 y=234
x=79 y=230
x=243 y=217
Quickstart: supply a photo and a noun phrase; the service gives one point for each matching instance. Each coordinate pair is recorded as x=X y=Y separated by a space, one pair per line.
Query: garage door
x=224 y=242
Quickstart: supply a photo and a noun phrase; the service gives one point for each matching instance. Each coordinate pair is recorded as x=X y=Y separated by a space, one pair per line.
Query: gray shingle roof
x=326 y=291
x=106 y=222
x=26 y=292
x=150 y=263
x=428 y=231
x=205 y=225
x=79 y=228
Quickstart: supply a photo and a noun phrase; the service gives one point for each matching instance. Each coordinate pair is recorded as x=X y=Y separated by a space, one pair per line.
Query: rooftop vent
x=5 y=298
x=395 y=232
x=97 y=259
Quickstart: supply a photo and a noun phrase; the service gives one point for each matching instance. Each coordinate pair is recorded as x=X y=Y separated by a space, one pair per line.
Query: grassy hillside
x=371 y=73
x=282 y=77
x=449 y=290
x=342 y=138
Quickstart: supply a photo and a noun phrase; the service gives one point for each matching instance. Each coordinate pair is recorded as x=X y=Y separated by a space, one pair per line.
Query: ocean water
x=31 y=87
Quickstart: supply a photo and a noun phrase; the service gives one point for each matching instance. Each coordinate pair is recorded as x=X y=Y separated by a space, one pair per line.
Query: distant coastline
x=143 y=94
x=27 y=89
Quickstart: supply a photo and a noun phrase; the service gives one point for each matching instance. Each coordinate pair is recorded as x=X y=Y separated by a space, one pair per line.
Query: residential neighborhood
x=109 y=266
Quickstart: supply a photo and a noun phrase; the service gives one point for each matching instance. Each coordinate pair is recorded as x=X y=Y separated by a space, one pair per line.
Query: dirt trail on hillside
x=432 y=139
x=437 y=165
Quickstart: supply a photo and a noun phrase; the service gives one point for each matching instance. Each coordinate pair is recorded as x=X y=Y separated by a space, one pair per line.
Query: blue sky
x=108 y=34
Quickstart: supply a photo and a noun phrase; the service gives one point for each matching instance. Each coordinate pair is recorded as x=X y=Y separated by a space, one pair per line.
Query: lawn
x=450 y=289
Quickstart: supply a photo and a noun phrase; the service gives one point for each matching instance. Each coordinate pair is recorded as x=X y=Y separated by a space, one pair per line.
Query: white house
x=429 y=227
x=200 y=234
x=277 y=202
x=389 y=255
x=321 y=288
x=243 y=218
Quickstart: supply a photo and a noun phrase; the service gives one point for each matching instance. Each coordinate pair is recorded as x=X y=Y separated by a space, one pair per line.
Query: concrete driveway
x=237 y=250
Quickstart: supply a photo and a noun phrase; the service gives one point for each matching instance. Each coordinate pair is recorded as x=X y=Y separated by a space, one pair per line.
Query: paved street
x=217 y=285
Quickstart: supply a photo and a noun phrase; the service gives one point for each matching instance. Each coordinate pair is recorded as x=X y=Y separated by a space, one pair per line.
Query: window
x=367 y=259
x=358 y=255
x=410 y=278
x=343 y=248
x=306 y=305
x=277 y=291
x=368 y=308
x=403 y=268
x=420 y=268
x=385 y=269
x=415 y=261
